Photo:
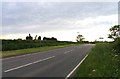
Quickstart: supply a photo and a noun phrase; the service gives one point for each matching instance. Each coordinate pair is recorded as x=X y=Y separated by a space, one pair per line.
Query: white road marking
x=24 y=55
x=75 y=68
x=67 y=51
x=28 y=64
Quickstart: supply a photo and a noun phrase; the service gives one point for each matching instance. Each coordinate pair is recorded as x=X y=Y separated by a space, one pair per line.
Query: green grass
x=101 y=62
x=32 y=50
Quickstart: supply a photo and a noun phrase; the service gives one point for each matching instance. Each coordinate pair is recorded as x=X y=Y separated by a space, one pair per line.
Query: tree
x=115 y=32
x=19 y=38
x=29 y=37
x=115 y=35
x=52 y=39
x=55 y=39
x=36 y=37
x=44 y=38
x=80 y=38
x=39 y=38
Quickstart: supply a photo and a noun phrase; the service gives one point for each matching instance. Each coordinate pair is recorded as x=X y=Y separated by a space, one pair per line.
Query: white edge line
x=19 y=56
x=28 y=64
x=75 y=68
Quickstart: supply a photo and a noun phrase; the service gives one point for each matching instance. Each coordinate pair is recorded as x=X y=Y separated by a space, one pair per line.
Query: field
x=20 y=47
x=8 y=45
x=102 y=61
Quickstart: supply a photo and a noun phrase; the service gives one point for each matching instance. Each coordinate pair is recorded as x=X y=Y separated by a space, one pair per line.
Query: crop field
x=8 y=45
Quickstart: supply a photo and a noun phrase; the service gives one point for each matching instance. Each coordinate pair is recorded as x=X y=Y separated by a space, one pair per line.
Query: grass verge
x=31 y=50
x=101 y=62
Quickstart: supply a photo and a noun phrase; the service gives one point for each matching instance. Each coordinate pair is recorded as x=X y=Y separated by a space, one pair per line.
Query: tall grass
x=101 y=62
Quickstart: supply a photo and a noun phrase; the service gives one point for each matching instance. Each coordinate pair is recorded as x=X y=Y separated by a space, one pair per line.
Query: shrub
x=116 y=45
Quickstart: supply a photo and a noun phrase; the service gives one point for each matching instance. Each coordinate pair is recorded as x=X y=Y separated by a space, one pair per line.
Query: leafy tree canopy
x=114 y=32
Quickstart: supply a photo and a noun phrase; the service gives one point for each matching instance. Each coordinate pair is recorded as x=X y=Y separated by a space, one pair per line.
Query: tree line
x=39 y=38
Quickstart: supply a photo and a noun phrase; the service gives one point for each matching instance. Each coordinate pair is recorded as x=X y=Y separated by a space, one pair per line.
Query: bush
x=116 y=46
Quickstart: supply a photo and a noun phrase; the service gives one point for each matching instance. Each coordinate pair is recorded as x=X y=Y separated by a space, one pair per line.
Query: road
x=53 y=63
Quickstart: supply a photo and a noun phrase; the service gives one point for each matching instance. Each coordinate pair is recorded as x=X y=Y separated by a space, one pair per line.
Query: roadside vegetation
x=8 y=45
x=29 y=42
x=104 y=58
x=29 y=45
x=32 y=50
x=101 y=62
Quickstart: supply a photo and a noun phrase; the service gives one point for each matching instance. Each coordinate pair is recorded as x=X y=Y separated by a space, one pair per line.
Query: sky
x=59 y=19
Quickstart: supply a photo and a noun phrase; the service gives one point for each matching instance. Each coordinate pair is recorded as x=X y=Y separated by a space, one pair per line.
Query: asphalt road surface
x=53 y=63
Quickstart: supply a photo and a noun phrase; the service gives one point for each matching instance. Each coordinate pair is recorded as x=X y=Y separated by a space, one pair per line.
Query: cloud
x=33 y=13
x=32 y=17
x=60 y=0
x=100 y=20
x=88 y=23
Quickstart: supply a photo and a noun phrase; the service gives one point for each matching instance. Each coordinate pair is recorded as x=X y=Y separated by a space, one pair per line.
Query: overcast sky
x=58 y=19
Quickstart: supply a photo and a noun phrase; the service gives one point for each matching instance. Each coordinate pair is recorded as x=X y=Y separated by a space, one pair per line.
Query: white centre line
x=28 y=64
x=68 y=51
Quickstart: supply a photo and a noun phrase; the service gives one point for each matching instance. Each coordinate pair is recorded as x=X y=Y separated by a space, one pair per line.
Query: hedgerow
x=23 y=44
